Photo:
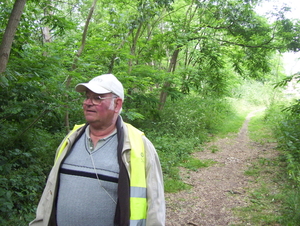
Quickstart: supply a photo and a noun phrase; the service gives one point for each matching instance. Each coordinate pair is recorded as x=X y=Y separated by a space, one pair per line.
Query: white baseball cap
x=102 y=84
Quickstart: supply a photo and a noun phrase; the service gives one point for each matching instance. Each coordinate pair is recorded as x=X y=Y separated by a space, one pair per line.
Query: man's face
x=101 y=113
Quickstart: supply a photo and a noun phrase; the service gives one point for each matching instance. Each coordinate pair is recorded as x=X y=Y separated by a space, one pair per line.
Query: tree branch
x=249 y=46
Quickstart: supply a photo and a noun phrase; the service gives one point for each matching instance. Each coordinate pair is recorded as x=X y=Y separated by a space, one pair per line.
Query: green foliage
x=194 y=116
x=283 y=119
x=173 y=185
x=255 y=93
x=25 y=164
x=287 y=131
x=136 y=43
x=181 y=128
x=260 y=133
x=214 y=149
x=234 y=116
x=266 y=197
x=32 y=109
x=194 y=164
x=291 y=207
x=278 y=185
x=287 y=30
x=172 y=152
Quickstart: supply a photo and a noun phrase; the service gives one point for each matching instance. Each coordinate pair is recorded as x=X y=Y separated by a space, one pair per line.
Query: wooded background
x=179 y=61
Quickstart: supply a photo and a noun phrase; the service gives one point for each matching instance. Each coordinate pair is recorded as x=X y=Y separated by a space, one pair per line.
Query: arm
x=155 y=187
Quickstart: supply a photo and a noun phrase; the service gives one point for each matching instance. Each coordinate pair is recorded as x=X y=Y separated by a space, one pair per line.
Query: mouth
x=90 y=111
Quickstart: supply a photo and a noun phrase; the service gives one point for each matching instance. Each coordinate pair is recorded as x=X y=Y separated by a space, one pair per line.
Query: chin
x=89 y=119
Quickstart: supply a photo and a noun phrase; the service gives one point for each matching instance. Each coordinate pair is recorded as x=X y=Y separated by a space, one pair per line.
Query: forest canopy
x=159 y=49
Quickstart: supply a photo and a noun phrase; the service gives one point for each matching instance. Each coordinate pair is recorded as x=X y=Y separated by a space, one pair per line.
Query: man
x=106 y=172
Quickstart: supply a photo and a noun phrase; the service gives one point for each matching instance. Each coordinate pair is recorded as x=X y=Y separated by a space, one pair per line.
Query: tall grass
x=280 y=123
x=183 y=127
x=186 y=124
x=284 y=119
x=286 y=125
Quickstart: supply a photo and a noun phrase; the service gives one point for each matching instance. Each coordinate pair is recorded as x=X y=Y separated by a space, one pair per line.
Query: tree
x=9 y=33
x=78 y=54
x=159 y=49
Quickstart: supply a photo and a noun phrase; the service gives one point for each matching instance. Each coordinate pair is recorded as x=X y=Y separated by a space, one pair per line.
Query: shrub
x=181 y=128
x=25 y=164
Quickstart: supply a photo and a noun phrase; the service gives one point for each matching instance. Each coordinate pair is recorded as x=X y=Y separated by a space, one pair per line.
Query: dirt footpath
x=219 y=188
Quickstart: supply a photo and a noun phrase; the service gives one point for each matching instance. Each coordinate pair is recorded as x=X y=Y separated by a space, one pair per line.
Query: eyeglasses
x=96 y=100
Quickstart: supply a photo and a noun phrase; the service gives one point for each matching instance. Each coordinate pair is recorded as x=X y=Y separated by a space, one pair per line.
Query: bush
x=287 y=131
x=190 y=116
x=285 y=122
x=181 y=128
x=25 y=164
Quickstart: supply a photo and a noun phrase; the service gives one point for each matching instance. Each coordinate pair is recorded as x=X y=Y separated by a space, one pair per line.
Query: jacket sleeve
x=44 y=216
x=155 y=187
x=44 y=209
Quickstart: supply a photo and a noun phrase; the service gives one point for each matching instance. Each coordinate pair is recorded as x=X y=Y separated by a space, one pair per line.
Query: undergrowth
x=275 y=200
x=184 y=127
x=265 y=193
x=284 y=119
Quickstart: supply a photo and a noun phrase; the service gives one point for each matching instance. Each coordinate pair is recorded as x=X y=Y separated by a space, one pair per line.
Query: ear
x=118 y=104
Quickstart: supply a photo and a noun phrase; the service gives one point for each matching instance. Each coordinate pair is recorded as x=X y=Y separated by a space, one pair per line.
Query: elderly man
x=106 y=172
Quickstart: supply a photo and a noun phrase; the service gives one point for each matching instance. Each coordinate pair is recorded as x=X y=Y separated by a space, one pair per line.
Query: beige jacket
x=45 y=214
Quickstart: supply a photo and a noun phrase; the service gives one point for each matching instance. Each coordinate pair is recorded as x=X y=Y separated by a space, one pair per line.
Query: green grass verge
x=235 y=119
x=274 y=199
x=173 y=182
x=264 y=203
x=172 y=185
x=194 y=164
x=259 y=131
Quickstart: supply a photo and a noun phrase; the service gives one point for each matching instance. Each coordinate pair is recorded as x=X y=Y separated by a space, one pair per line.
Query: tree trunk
x=83 y=40
x=46 y=30
x=114 y=56
x=46 y=34
x=172 y=66
x=133 y=47
x=74 y=65
x=10 y=32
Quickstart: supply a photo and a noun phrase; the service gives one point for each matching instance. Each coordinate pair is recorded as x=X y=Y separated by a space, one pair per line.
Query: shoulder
x=132 y=132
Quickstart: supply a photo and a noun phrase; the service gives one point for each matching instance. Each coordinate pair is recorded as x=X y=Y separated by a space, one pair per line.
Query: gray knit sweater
x=82 y=198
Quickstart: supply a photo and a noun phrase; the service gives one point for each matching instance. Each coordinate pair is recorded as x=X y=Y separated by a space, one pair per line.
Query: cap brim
x=83 y=87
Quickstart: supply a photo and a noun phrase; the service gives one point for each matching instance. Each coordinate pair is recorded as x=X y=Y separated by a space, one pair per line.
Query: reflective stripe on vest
x=138 y=192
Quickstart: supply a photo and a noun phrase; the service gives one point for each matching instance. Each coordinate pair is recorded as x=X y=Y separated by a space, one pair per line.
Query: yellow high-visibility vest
x=65 y=142
x=138 y=188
